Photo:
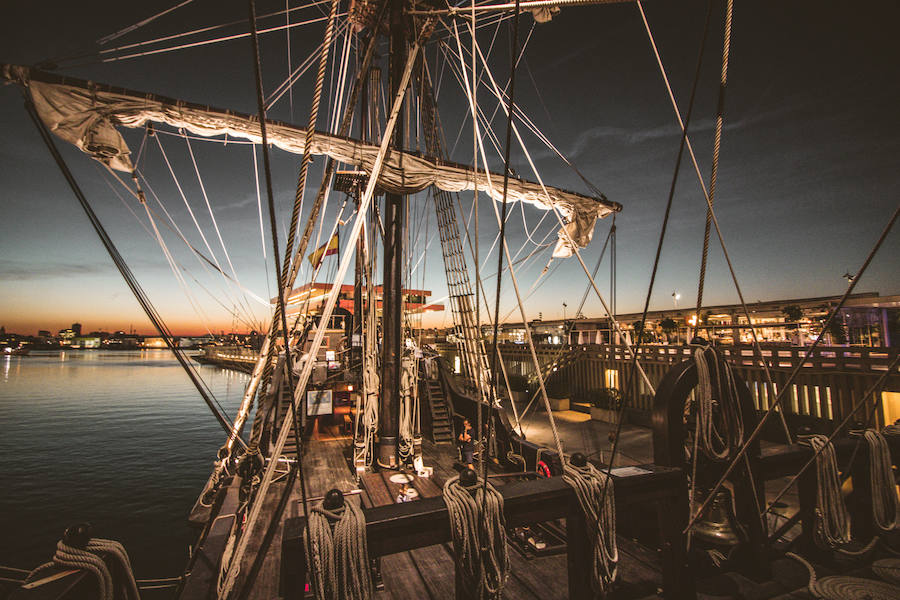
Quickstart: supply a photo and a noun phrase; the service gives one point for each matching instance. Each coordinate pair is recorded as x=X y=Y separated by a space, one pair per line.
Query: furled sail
x=86 y=114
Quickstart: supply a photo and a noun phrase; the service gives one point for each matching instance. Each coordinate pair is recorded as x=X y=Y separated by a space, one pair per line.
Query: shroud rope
x=340 y=556
x=482 y=565
x=599 y=507
x=89 y=559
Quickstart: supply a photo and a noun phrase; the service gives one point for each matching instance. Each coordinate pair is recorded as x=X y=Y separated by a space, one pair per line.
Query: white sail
x=86 y=115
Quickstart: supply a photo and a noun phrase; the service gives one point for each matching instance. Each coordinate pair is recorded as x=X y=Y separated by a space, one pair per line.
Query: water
x=120 y=439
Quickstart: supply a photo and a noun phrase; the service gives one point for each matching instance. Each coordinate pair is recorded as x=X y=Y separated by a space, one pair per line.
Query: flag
x=322 y=251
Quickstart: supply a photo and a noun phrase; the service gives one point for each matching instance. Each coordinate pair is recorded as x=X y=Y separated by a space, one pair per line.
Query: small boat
x=20 y=351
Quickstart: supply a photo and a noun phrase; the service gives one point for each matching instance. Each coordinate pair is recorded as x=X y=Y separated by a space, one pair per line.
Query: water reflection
x=118 y=438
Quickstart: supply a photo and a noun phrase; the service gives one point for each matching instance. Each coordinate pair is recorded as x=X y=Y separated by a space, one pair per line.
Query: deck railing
x=825 y=388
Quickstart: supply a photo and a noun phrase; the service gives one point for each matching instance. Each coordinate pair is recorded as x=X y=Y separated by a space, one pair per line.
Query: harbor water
x=120 y=439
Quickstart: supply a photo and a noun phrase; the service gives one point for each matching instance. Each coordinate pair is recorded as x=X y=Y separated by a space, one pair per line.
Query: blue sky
x=807 y=178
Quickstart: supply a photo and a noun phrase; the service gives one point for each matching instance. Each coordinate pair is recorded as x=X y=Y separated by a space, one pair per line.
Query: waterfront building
x=866 y=319
x=314 y=296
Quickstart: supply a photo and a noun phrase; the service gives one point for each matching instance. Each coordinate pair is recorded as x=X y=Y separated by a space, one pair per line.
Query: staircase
x=564 y=360
x=462 y=299
x=441 y=424
x=282 y=406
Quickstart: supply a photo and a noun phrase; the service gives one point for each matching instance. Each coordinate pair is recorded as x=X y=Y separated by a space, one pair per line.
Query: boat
x=18 y=351
x=346 y=482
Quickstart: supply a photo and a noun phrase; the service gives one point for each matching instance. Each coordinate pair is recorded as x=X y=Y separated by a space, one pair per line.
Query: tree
x=836 y=329
x=668 y=326
x=640 y=334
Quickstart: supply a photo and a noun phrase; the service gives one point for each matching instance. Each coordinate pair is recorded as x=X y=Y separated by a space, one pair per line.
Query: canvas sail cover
x=86 y=115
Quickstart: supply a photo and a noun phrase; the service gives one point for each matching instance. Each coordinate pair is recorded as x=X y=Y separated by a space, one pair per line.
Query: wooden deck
x=426 y=572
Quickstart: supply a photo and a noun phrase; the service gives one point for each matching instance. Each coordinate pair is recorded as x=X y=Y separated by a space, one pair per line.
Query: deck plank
x=435 y=567
x=402 y=580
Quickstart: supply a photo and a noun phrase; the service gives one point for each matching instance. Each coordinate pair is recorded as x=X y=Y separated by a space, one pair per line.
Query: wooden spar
x=526 y=5
x=394 y=207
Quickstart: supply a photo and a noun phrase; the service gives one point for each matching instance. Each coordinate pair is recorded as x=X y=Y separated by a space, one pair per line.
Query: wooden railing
x=829 y=382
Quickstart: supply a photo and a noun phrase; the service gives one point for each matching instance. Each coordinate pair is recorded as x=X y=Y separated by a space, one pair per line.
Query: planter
x=559 y=403
x=604 y=414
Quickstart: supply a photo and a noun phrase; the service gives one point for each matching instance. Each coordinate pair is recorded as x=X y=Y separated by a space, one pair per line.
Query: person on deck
x=466 y=443
x=404 y=495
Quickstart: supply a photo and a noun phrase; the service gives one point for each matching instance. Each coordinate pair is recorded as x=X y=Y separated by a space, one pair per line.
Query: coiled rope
x=846 y=588
x=88 y=559
x=339 y=565
x=888 y=569
x=482 y=565
x=589 y=484
x=881 y=479
x=719 y=437
x=832 y=519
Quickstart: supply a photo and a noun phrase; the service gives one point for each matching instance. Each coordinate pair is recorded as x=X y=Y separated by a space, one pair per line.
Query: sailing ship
x=351 y=416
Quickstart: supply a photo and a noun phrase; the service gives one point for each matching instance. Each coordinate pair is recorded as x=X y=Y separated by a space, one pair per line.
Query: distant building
x=85 y=342
x=76 y=329
x=314 y=295
x=66 y=336
x=865 y=319
x=154 y=342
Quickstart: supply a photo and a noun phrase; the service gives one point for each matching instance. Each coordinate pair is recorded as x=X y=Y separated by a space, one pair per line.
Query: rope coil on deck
x=482 y=565
x=881 y=478
x=88 y=559
x=720 y=426
x=589 y=484
x=339 y=566
x=832 y=518
x=846 y=588
x=888 y=569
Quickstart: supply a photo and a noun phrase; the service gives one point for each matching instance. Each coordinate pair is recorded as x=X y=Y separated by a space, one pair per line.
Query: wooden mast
x=394 y=207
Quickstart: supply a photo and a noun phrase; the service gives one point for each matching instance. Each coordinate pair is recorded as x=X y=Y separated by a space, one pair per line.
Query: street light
x=675 y=298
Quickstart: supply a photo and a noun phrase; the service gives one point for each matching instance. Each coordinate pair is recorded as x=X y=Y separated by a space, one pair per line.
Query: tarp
x=86 y=115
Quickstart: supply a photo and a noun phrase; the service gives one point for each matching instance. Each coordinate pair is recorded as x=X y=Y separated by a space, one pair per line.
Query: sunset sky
x=808 y=174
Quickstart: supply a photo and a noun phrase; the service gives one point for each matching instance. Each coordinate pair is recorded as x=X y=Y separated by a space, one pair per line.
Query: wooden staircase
x=441 y=424
x=566 y=358
x=282 y=406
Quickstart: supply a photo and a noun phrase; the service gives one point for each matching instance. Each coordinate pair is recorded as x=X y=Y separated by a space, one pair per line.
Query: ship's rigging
x=386 y=428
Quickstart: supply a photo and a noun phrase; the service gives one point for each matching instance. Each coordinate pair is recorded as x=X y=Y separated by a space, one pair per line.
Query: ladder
x=461 y=297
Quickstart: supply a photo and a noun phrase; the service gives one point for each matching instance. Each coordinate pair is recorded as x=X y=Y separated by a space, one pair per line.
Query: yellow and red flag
x=326 y=250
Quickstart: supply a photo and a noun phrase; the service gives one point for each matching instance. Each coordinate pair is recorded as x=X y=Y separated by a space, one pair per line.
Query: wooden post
x=579 y=554
x=860 y=501
x=807 y=491
x=672 y=516
x=293 y=560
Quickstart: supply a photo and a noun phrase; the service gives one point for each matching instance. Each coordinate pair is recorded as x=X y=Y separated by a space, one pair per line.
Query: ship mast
x=394 y=208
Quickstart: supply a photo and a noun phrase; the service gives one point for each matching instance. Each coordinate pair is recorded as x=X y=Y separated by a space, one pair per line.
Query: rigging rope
x=845 y=588
x=339 y=564
x=127 y=275
x=599 y=507
x=717 y=393
x=717 y=144
x=141 y=23
x=883 y=488
x=840 y=426
x=832 y=519
x=687 y=142
x=482 y=564
x=328 y=309
x=88 y=558
x=787 y=385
